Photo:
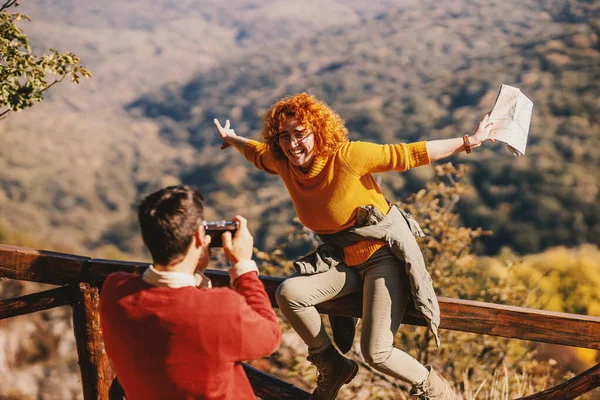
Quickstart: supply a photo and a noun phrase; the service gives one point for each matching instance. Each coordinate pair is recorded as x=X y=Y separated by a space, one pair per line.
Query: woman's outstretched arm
x=439 y=149
x=257 y=153
x=230 y=138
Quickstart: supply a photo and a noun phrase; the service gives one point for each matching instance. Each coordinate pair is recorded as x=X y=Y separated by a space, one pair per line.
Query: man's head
x=171 y=222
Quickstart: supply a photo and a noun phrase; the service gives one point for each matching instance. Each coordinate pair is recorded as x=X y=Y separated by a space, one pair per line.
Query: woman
x=330 y=183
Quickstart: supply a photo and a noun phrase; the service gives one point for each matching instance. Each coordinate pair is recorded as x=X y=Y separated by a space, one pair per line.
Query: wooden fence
x=80 y=279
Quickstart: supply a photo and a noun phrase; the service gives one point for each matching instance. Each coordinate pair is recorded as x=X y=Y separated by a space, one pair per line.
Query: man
x=167 y=333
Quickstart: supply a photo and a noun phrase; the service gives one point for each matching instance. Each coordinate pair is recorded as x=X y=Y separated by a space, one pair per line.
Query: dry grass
x=498 y=387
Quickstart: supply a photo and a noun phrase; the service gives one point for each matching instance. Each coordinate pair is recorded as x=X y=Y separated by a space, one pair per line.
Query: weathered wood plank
x=462 y=315
x=59 y=268
x=574 y=387
x=96 y=372
x=97 y=269
x=472 y=316
x=269 y=387
x=40 y=266
x=518 y=322
x=35 y=302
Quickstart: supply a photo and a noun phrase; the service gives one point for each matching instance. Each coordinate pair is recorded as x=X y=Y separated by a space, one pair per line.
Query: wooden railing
x=80 y=279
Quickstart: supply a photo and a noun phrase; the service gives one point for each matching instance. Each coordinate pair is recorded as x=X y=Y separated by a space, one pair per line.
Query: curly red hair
x=314 y=115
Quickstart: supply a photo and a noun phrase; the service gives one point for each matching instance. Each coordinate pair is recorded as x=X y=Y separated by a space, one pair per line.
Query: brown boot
x=334 y=371
x=433 y=388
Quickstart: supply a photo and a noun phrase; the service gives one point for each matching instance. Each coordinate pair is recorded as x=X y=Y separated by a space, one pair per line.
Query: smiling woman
x=300 y=115
x=330 y=181
x=297 y=144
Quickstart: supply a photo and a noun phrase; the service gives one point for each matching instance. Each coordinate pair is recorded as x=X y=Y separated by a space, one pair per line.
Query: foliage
x=560 y=279
x=23 y=75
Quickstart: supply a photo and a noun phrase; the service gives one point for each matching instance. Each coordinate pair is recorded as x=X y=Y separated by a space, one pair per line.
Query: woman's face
x=297 y=143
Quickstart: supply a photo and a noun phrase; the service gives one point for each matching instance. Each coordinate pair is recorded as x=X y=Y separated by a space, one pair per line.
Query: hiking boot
x=344 y=329
x=433 y=388
x=334 y=371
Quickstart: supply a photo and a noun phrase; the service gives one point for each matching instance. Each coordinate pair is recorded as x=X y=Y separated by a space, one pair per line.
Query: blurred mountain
x=425 y=71
x=73 y=167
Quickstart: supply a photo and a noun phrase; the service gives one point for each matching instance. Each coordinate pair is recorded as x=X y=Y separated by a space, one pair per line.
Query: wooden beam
x=471 y=316
x=269 y=387
x=572 y=388
x=59 y=268
x=96 y=372
x=462 y=315
x=518 y=322
x=40 y=266
x=35 y=302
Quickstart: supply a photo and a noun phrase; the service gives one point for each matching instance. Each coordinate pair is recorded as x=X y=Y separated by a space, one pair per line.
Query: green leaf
x=23 y=75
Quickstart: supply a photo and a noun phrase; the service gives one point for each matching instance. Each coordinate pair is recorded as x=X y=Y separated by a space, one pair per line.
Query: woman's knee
x=374 y=355
x=290 y=293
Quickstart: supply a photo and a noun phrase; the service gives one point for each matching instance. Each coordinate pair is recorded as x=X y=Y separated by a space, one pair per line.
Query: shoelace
x=422 y=391
x=321 y=378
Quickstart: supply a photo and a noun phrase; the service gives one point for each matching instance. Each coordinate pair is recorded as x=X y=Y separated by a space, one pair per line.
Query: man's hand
x=482 y=132
x=225 y=132
x=240 y=247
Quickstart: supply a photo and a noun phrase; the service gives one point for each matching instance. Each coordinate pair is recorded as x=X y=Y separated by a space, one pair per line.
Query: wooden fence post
x=96 y=372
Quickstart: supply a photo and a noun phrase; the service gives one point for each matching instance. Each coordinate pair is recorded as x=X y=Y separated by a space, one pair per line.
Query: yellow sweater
x=327 y=197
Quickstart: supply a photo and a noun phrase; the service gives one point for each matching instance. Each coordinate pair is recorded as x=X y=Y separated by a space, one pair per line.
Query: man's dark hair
x=169 y=219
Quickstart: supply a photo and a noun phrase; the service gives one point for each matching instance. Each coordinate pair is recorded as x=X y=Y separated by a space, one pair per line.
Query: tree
x=23 y=75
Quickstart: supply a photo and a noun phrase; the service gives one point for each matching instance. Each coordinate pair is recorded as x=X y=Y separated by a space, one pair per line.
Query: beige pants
x=386 y=292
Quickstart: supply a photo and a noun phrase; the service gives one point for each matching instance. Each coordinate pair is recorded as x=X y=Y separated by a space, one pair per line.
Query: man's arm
x=258 y=325
x=439 y=149
x=260 y=333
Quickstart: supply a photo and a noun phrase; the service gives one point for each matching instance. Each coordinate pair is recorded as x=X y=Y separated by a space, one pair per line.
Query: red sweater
x=185 y=343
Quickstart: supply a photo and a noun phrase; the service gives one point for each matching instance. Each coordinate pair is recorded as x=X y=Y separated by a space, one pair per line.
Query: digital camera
x=216 y=229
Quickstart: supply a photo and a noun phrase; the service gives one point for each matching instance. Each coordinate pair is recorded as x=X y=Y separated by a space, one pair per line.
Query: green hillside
x=424 y=72
x=73 y=167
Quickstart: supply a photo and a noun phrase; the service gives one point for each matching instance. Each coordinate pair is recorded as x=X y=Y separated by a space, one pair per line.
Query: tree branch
x=3 y=114
x=9 y=3
x=52 y=84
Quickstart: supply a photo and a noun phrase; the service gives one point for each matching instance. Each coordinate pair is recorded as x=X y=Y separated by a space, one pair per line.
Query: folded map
x=511 y=116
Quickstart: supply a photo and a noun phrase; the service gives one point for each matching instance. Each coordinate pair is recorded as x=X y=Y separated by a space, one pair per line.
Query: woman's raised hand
x=482 y=133
x=226 y=133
